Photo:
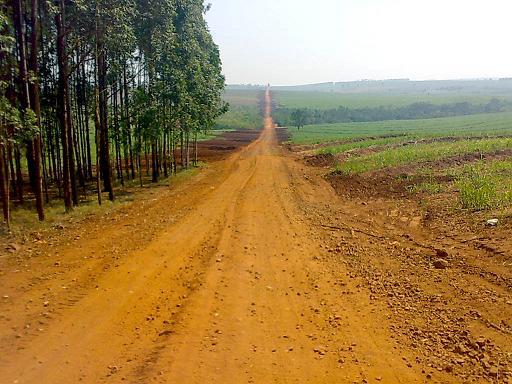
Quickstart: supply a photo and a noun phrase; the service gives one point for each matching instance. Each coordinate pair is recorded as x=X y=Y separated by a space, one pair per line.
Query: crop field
x=466 y=158
x=472 y=125
x=414 y=153
x=328 y=100
x=244 y=111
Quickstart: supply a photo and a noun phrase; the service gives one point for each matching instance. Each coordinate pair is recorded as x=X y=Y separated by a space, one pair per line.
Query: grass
x=23 y=218
x=329 y=100
x=492 y=124
x=478 y=185
x=485 y=185
x=240 y=117
x=244 y=110
x=420 y=153
x=345 y=147
x=481 y=185
x=430 y=186
x=242 y=97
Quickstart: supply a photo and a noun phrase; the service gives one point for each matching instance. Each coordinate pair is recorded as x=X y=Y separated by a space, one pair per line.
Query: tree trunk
x=62 y=97
x=182 y=149
x=164 y=150
x=154 y=161
x=19 y=175
x=195 y=149
x=87 y=125
x=128 y=122
x=24 y=94
x=187 y=150
x=4 y=186
x=36 y=106
x=105 y=166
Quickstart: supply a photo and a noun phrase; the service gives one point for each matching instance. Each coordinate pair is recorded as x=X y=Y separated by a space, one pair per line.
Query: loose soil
x=225 y=144
x=256 y=271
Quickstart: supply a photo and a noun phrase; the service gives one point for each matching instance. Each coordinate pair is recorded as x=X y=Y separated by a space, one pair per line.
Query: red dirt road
x=233 y=283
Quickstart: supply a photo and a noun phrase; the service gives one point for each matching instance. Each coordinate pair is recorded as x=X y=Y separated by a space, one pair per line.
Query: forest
x=97 y=93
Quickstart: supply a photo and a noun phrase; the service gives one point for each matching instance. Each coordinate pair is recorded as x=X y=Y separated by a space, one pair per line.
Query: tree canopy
x=94 y=93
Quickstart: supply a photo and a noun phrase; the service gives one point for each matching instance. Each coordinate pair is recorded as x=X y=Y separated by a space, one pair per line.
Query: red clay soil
x=227 y=143
x=224 y=145
x=256 y=271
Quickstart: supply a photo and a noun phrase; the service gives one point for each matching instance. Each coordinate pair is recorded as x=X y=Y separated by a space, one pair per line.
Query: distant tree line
x=422 y=110
x=94 y=92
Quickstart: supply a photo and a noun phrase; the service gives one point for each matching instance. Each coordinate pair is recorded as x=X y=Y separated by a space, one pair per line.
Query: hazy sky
x=309 y=41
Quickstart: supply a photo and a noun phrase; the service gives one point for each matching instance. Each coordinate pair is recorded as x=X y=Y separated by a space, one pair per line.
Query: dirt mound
x=321 y=160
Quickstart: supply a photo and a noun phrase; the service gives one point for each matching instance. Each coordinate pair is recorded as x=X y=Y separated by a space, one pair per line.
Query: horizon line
x=372 y=80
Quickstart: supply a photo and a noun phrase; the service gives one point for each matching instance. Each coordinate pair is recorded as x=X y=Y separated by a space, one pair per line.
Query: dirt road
x=232 y=284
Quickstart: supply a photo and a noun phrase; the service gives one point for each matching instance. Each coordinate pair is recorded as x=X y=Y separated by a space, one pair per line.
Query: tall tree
x=146 y=72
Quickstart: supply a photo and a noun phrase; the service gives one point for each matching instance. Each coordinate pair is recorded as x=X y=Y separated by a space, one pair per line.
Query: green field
x=329 y=100
x=473 y=125
x=417 y=153
x=244 y=110
x=360 y=148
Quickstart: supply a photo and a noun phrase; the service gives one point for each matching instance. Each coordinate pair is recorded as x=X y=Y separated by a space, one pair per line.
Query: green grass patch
x=492 y=124
x=240 y=117
x=484 y=185
x=329 y=100
x=430 y=186
x=420 y=153
x=244 y=110
x=345 y=147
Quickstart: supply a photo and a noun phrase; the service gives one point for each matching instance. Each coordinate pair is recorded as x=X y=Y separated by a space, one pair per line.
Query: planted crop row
x=496 y=124
x=420 y=153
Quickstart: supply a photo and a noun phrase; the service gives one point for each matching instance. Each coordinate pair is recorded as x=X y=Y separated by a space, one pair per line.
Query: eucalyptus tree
x=145 y=74
x=9 y=116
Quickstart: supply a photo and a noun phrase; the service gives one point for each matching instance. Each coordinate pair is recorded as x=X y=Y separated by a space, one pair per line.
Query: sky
x=287 y=42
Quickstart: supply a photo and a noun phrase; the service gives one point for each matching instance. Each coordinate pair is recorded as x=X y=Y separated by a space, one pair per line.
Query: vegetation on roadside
x=417 y=153
x=244 y=110
x=459 y=145
x=485 y=185
x=99 y=92
x=495 y=124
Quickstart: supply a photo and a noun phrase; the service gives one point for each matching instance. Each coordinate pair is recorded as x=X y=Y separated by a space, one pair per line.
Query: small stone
x=493 y=222
x=13 y=247
x=481 y=341
x=113 y=368
x=320 y=350
x=441 y=253
x=441 y=264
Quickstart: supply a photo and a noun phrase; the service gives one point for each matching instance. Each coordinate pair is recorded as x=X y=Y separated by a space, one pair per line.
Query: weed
x=431 y=187
x=477 y=190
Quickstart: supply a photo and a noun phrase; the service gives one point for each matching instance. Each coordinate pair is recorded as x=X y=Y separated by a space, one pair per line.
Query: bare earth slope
x=235 y=284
